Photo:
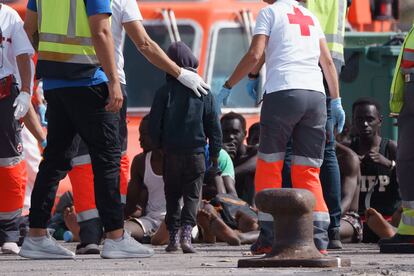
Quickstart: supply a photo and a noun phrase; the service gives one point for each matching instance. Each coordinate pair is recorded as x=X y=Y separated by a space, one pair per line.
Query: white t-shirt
x=123 y=11
x=292 y=53
x=15 y=41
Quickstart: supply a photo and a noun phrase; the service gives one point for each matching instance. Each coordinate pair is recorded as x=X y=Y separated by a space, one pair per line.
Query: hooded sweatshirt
x=179 y=121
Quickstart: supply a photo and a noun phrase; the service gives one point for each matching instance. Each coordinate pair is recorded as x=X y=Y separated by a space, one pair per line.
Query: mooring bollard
x=293 y=245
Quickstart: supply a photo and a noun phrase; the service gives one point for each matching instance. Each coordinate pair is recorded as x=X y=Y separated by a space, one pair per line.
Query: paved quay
x=218 y=260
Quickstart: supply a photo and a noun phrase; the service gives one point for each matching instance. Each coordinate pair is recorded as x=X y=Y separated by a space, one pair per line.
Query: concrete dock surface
x=216 y=259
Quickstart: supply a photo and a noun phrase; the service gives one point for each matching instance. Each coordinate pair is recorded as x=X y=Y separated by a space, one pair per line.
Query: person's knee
x=135 y=229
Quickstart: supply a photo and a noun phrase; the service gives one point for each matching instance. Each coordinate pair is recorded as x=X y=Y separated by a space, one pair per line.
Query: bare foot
x=378 y=224
x=71 y=222
x=203 y=220
x=222 y=231
x=248 y=237
x=245 y=223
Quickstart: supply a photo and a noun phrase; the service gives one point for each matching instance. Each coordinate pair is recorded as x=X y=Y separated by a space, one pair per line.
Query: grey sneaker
x=128 y=247
x=45 y=248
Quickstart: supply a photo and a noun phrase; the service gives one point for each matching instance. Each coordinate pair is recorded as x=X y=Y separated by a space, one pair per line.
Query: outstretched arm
x=250 y=60
x=154 y=54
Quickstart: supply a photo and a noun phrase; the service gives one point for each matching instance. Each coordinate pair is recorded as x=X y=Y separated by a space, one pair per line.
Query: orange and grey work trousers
x=300 y=115
x=12 y=167
x=81 y=178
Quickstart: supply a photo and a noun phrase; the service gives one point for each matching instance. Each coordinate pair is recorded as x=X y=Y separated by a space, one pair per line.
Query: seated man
x=145 y=206
x=378 y=187
x=233 y=126
x=351 y=229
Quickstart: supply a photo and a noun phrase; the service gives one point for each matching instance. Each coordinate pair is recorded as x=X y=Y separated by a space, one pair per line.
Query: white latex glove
x=193 y=81
x=22 y=103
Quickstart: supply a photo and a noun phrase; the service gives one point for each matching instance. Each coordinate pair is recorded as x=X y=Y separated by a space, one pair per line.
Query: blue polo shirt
x=92 y=7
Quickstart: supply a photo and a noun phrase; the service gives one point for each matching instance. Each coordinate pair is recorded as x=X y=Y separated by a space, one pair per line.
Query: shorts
x=355 y=220
x=148 y=224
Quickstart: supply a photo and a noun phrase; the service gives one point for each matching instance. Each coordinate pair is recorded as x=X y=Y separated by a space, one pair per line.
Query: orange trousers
x=81 y=178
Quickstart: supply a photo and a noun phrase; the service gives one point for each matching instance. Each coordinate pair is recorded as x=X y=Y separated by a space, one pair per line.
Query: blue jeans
x=330 y=175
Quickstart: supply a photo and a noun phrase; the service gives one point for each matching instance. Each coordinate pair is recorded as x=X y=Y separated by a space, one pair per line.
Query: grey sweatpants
x=299 y=115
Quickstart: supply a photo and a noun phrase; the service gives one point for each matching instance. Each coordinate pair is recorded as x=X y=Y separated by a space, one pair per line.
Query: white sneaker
x=128 y=247
x=45 y=248
x=10 y=248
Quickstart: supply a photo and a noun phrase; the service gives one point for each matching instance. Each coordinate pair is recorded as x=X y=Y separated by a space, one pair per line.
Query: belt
x=409 y=77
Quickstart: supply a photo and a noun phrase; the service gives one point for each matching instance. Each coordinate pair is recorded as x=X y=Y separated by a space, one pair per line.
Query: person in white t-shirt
x=293 y=104
x=15 y=54
x=126 y=17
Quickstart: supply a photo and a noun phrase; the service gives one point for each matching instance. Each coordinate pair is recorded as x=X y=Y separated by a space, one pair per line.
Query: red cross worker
x=15 y=53
x=294 y=105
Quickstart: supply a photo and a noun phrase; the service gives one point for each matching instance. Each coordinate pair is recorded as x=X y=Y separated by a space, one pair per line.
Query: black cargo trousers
x=71 y=111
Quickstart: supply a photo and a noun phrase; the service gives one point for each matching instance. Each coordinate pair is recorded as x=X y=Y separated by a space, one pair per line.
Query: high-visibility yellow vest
x=331 y=15
x=65 y=43
x=405 y=64
x=406 y=226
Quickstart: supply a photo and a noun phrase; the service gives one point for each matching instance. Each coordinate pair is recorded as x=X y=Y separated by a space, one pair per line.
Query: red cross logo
x=304 y=21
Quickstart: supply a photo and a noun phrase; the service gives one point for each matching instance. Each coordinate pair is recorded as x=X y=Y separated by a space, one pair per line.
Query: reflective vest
x=405 y=64
x=406 y=226
x=65 y=44
x=331 y=15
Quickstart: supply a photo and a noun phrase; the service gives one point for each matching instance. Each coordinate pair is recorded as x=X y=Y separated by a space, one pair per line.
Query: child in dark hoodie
x=180 y=123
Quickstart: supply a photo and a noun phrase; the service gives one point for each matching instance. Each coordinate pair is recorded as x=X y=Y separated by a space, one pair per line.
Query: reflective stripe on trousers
x=81 y=177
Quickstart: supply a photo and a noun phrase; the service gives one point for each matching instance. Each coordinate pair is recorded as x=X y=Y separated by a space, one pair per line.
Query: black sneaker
x=335 y=244
x=263 y=244
x=87 y=249
x=334 y=239
x=397 y=244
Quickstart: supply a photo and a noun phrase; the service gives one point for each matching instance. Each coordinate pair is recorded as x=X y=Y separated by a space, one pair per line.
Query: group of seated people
x=370 y=197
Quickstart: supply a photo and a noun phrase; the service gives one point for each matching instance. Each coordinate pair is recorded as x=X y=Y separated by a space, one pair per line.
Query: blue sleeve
x=31 y=5
x=98 y=6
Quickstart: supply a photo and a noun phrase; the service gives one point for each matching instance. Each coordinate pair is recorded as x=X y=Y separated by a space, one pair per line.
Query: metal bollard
x=293 y=245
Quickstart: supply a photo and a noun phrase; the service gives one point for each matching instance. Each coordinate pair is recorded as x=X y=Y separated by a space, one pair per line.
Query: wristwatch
x=227 y=85
x=253 y=76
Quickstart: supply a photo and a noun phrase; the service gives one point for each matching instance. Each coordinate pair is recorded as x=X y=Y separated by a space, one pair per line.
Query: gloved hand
x=223 y=96
x=338 y=114
x=22 y=103
x=193 y=81
x=41 y=109
x=251 y=88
